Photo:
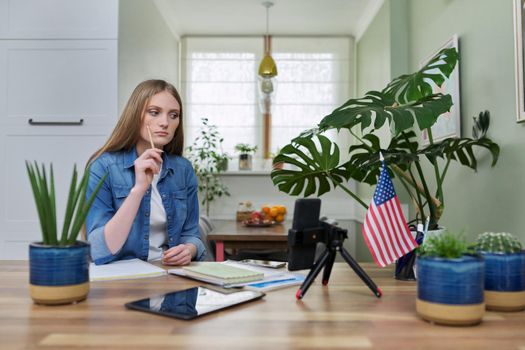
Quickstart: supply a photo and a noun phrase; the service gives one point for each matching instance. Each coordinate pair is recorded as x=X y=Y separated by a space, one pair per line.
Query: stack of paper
x=222 y=273
x=124 y=269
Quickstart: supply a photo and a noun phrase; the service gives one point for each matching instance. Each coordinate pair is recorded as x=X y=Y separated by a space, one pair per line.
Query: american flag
x=385 y=229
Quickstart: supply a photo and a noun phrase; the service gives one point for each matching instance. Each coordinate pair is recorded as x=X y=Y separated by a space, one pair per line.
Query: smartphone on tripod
x=301 y=247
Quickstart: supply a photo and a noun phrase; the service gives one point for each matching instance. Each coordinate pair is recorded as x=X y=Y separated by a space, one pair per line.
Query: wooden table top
x=229 y=230
x=342 y=315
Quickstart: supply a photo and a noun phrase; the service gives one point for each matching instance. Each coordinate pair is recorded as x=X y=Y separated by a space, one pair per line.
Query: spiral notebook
x=225 y=274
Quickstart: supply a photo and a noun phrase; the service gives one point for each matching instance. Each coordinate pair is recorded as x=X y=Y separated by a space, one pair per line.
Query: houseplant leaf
x=364 y=164
x=70 y=206
x=377 y=109
x=413 y=87
x=316 y=163
x=461 y=150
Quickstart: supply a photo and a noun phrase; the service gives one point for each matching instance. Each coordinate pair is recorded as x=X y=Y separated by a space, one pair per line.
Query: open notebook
x=223 y=273
x=124 y=269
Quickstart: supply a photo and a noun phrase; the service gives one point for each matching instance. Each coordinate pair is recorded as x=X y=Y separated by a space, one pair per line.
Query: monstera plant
x=406 y=103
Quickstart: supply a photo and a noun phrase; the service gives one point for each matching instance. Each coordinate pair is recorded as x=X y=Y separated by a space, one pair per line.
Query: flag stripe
x=385 y=230
x=368 y=229
x=409 y=239
x=392 y=227
x=372 y=245
x=397 y=228
x=375 y=233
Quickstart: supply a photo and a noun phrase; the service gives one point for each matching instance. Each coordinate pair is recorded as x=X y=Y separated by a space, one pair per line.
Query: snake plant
x=405 y=103
x=43 y=187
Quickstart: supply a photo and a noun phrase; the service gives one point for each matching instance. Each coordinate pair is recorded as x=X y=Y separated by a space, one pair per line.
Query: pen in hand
x=150 y=137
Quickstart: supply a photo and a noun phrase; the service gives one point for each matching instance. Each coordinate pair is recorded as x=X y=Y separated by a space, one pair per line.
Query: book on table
x=222 y=273
x=267 y=278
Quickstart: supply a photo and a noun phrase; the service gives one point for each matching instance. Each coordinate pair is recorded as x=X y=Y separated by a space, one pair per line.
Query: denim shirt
x=177 y=187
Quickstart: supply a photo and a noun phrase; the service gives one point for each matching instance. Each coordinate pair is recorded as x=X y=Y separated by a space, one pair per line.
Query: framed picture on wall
x=449 y=123
x=519 y=35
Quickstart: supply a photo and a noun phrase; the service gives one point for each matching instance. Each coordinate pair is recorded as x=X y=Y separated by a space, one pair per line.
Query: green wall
x=489 y=200
x=406 y=31
x=372 y=73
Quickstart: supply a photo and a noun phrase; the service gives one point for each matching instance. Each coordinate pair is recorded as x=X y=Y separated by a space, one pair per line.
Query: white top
x=158 y=236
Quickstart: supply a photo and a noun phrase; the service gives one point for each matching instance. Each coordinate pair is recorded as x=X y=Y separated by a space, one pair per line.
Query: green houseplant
x=406 y=103
x=209 y=161
x=450 y=280
x=504 y=271
x=245 y=155
x=59 y=266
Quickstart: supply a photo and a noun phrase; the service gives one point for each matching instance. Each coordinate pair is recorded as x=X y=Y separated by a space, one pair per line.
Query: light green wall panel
x=405 y=32
x=489 y=200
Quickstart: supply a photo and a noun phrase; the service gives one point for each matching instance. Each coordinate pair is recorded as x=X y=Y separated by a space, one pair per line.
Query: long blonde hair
x=127 y=131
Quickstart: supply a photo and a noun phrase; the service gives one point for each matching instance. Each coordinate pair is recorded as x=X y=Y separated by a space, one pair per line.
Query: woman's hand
x=148 y=164
x=179 y=255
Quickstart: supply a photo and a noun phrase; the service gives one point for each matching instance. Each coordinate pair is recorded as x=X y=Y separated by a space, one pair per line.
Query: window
x=220 y=83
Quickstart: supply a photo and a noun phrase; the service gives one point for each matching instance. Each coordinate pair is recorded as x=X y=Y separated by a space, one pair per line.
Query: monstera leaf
x=316 y=166
x=365 y=164
x=461 y=150
x=405 y=100
x=376 y=108
x=413 y=87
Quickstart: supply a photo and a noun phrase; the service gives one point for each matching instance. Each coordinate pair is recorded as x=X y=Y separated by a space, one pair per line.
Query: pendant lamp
x=267 y=67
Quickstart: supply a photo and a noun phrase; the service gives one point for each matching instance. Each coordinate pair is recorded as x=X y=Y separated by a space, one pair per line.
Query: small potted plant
x=59 y=267
x=450 y=280
x=504 y=271
x=245 y=155
x=209 y=161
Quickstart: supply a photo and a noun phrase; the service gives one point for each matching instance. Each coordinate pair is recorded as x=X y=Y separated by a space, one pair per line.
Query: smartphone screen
x=265 y=263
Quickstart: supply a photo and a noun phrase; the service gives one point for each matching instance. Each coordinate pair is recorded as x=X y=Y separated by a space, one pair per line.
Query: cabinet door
x=65 y=81
x=64 y=147
x=58 y=19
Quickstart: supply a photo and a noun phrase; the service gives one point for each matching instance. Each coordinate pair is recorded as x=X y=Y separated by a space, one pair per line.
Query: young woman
x=147 y=207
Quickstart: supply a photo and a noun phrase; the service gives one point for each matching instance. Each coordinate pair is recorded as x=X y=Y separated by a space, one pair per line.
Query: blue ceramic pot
x=58 y=275
x=450 y=291
x=505 y=281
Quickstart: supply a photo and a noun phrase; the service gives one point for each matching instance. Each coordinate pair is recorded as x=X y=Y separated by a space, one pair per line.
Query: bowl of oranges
x=267 y=216
x=275 y=213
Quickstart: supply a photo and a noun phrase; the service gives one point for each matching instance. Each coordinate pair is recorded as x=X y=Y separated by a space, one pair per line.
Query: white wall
x=147 y=47
x=260 y=190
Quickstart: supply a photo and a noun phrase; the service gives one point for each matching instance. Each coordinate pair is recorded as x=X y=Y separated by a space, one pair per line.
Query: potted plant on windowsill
x=245 y=155
x=209 y=161
x=450 y=281
x=59 y=267
x=504 y=271
x=406 y=103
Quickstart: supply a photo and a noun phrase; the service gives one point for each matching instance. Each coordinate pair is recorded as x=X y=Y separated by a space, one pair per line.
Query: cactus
x=500 y=242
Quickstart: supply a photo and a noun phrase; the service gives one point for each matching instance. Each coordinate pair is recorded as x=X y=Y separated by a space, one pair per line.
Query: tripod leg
x=361 y=273
x=328 y=267
x=318 y=265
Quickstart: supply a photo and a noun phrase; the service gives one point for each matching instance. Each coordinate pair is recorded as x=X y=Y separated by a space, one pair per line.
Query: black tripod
x=333 y=237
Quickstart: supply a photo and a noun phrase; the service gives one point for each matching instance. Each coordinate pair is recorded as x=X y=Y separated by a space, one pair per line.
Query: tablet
x=194 y=302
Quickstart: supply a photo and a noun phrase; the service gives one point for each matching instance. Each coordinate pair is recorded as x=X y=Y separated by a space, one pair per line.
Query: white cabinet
x=58 y=81
x=58 y=101
x=58 y=19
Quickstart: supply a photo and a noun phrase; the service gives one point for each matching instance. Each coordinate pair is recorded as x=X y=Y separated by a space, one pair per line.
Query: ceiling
x=287 y=17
